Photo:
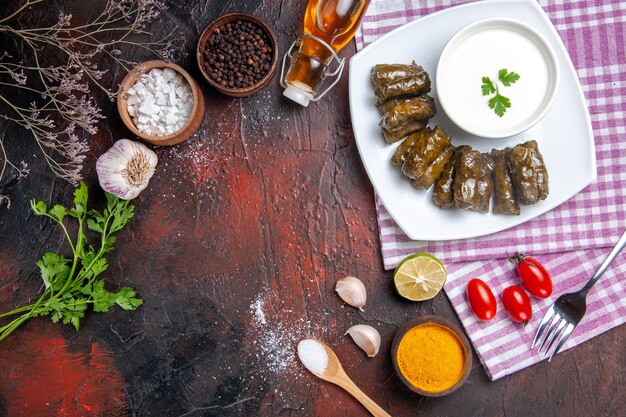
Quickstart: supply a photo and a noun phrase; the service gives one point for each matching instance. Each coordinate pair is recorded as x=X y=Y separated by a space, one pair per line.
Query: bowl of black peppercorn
x=237 y=54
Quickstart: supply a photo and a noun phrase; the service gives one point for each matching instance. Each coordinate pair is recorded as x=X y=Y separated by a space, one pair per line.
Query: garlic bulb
x=352 y=291
x=366 y=337
x=126 y=168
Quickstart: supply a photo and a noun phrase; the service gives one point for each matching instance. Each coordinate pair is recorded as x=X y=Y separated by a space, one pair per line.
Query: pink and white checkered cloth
x=571 y=240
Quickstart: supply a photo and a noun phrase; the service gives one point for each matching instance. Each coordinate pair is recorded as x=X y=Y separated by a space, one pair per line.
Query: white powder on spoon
x=313 y=356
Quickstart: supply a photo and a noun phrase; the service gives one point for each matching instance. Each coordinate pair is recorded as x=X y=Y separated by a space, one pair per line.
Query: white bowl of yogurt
x=496 y=77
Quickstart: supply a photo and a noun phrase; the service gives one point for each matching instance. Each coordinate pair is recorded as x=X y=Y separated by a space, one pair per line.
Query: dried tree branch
x=62 y=92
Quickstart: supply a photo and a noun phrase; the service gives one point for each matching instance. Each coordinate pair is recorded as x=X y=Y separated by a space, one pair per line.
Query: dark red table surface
x=258 y=214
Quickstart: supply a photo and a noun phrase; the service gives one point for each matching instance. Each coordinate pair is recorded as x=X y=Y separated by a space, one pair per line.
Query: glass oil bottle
x=328 y=26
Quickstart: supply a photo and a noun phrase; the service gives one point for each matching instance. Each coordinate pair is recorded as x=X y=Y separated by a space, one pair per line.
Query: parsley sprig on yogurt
x=499 y=103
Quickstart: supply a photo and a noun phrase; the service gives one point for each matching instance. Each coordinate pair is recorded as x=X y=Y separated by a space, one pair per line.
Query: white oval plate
x=564 y=135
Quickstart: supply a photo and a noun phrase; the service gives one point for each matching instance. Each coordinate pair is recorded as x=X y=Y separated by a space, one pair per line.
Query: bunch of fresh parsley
x=72 y=284
x=499 y=103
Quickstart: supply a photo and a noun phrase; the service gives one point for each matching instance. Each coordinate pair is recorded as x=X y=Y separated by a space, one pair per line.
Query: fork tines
x=557 y=327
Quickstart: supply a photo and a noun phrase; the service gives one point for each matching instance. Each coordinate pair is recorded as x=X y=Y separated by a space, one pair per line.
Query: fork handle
x=605 y=265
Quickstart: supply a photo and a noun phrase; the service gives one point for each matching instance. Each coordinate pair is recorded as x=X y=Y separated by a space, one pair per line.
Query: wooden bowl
x=444 y=323
x=221 y=21
x=192 y=124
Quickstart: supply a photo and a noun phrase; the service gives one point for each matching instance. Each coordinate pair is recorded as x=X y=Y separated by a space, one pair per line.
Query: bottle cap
x=298 y=95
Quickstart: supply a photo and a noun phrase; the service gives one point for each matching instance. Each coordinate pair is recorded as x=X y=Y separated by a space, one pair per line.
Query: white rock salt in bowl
x=160 y=103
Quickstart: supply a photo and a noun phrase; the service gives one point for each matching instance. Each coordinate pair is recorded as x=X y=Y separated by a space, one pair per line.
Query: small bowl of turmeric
x=431 y=356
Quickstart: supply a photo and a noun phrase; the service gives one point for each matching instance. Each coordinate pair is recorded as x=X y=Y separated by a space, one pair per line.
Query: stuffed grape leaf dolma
x=396 y=134
x=415 y=108
x=387 y=73
x=443 y=194
x=504 y=201
x=414 y=84
x=472 y=180
x=528 y=173
x=387 y=105
x=541 y=172
x=403 y=150
x=429 y=144
x=434 y=170
x=407 y=116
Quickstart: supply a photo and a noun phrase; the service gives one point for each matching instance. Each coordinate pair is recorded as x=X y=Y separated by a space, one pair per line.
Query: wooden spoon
x=334 y=373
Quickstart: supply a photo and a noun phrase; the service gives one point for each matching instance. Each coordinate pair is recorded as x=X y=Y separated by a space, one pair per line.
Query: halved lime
x=419 y=277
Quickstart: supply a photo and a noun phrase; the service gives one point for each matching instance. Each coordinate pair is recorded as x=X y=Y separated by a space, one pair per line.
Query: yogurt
x=482 y=50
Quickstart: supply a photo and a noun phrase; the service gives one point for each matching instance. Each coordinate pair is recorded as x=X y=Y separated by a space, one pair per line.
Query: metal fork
x=567 y=311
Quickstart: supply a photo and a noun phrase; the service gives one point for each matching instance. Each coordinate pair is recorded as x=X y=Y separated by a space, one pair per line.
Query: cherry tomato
x=535 y=278
x=481 y=299
x=517 y=304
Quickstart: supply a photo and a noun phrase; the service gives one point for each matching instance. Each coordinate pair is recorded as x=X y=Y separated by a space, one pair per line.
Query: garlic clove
x=366 y=337
x=126 y=168
x=352 y=291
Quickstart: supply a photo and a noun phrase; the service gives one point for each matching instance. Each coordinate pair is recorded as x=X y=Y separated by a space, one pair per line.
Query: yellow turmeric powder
x=431 y=357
